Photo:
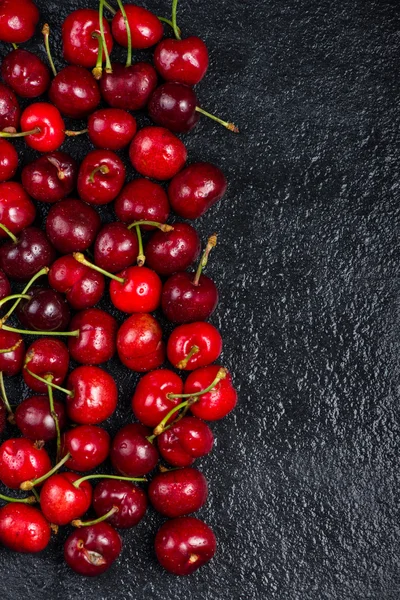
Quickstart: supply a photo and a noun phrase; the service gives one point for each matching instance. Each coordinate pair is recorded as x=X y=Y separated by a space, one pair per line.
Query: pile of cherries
x=59 y=274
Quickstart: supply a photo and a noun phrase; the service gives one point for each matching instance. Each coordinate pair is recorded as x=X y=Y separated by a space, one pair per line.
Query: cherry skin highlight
x=150 y=402
x=25 y=73
x=47 y=310
x=139 y=343
x=46 y=357
x=116 y=247
x=183 y=61
x=83 y=287
x=34 y=420
x=74 y=91
x=172 y=251
x=128 y=87
x=88 y=446
x=22 y=259
x=23 y=528
x=91 y=550
x=80 y=46
x=132 y=455
x=173 y=105
x=146 y=29
x=156 y=152
x=17 y=210
x=188 y=439
x=178 y=492
x=51 y=177
x=140 y=292
x=72 y=225
x=18 y=21
x=10 y=111
x=142 y=200
x=130 y=500
x=96 y=342
x=61 y=501
x=95 y=395
x=111 y=128
x=22 y=460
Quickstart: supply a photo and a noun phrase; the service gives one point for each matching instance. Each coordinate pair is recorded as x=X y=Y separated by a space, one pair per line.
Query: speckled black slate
x=304 y=479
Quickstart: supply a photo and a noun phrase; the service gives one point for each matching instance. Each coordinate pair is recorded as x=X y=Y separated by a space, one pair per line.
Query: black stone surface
x=304 y=479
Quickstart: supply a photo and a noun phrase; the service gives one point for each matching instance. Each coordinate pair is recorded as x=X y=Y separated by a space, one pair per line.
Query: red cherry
x=139 y=343
x=185 y=441
x=97 y=337
x=183 y=61
x=184 y=544
x=142 y=200
x=33 y=418
x=61 y=501
x=17 y=210
x=194 y=345
x=46 y=357
x=18 y=20
x=10 y=111
x=150 y=402
x=101 y=177
x=5 y=286
x=91 y=550
x=72 y=225
x=132 y=454
x=178 y=492
x=128 y=87
x=51 y=177
x=23 y=528
x=116 y=248
x=111 y=128
x=74 y=91
x=23 y=258
x=158 y=153
x=47 y=310
x=173 y=105
x=218 y=402
x=94 y=395
x=130 y=500
x=82 y=286
x=88 y=446
x=176 y=250
x=11 y=362
x=47 y=120
x=22 y=460
x=195 y=189
x=80 y=45
x=146 y=29
x=140 y=291
x=25 y=73
x=183 y=302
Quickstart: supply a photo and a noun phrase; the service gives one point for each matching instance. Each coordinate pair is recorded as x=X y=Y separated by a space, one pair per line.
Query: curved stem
x=174 y=25
x=81 y=259
x=110 y=8
x=212 y=242
x=222 y=373
x=163 y=226
x=226 y=124
x=162 y=426
x=34 y=492
x=29 y=332
x=12 y=348
x=79 y=523
x=103 y=169
x=46 y=34
x=168 y=22
x=28 y=485
x=28 y=500
x=49 y=379
x=78 y=482
x=13 y=296
x=182 y=364
x=4 y=396
x=49 y=383
x=75 y=133
x=9 y=233
x=5 y=134
x=141 y=258
x=108 y=63
x=98 y=69
x=128 y=34
x=43 y=271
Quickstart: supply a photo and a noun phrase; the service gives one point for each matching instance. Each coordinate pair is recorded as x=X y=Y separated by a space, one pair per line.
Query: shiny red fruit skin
x=46 y=356
x=82 y=286
x=97 y=338
x=23 y=528
x=5 y=286
x=173 y=251
x=150 y=403
x=51 y=177
x=173 y=105
x=130 y=500
x=18 y=20
x=140 y=292
x=183 y=61
x=21 y=460
x=116 y=247
x=184 y=544
x=178 y=492
x=47 y=118
x=75 y=92
x=128 y=87
x=142 y=200
x=25 y=73
x=10 y=111
x=8 y=160
x=139 y=343
x=105 y=186
x=132 y=455
x=17 y=210
x=91 y=550
x=80 y=47
x=201 y=334
x=156 y=152
x=72 y=225
x=217 y=403
x=111 y=128
x=32 y=251
x=61 y=501
x=146 y=29
x=33 y=418
x=95 y=395
x=188 y=439
x=184 y=302
x=88 y=446
x=11 y=362
x=47 y=310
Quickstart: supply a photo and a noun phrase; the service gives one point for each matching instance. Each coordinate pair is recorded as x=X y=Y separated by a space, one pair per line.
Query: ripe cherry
x=142 y=200
x=18 y=21
x=111 y=128
x=184 y=544
x=178 y=492
x=186 y=440
x=34 y=420
x=8 y=160
x=216 y=403
x=96 y=342
x=11 y=362
x=194 y=345
x=116 y=247
x=145 y=27
x=91 y=550
x=151 y=402
x=195 y=189
x=101 y=177
x=183 y=61
x=88 y=446
x=80 y=43
x=72 y=225
x=93 y=395
x=10 y=111
x=75 y=92
x=158 y=153
x=173 y=251
x=25 y=73
x=82 y=286
x=5 y=286
x=17 y=210
x=46 y=310
x=130 y=500
x=23 y=528
x=61 y=500
x=128 y=87
x=51 y=177
x=139 y=343
x=21 y=459
x=21 y=258
x=131 y=453
x=48 y=358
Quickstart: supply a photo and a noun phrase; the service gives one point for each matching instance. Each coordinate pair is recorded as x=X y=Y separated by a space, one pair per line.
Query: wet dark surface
x=304 y=476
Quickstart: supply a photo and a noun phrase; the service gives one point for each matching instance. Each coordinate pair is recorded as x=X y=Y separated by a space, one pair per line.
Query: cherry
x=139 y=291
x=11 y=362
x=47 y=358
x=158 y=153
x=184 y=544
x=195 y=189
x=131 y=452
x=91 y=550
x=5 y=286
x=142 y=200
x=51 y=177
x=194 y=345
x=74 y=92
x=17 y=210
x=72 y=225
x=145 y=27
x=25 y=73
x=178 y=492
x=151 y=402
x=18 y=20
x=88 y=446
x=139 y=343
x=34 y=420
x=173 y=105
x=173 y=251
x=10 y=111
x=93 y=396
x=116 y=247
x=111 y=128
x=22 y=257
x=82 y=286
x=97 y=337
x=46 y=310
x=216 y=403
x=101 y=177
x=185 y=441
x=42 y=126
x=61 y=500
x=23 y=528
x=80 y=42
x=128 y=87
x=130 y=500
x=21 y=459
x=183 y=61
x=8 y=160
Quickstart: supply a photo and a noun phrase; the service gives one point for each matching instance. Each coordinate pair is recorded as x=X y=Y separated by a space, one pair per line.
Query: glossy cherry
x=142 y=200
x=51 y=177
x=61 y=501
x=146 y=29
x=72 y=225
x=5 y=286
x=91 y=550
x=218 y=402
x=128 y=87
x=150 y=402
x=156 y=152
x=111 y=128
x=17 y=210
x=183 y=301
x=132 y=455
x=8 y=160
x=18 y=20
x=139 y=292
x=178 y=492
x=116 y=247
x=47 y=124
x=139 y=343
x=75 y=92
x=23 y=528
x=25 y=73
x=184 y=544
x=130 y=500
x=172 y=251
x=23 y=258
x=88 y=446
x=186 y=440
x=195 y=189
x=80 y=45
x=34 y=420
x=82 y=286
x=183 y=61
x=11 y=362
x=101 y=177
x=48 y=358
x=94 y=395
x=173 y=105
x=194 y=345
x=96 y=342
x=20 y=460
x=47 y=310
x=10 y=111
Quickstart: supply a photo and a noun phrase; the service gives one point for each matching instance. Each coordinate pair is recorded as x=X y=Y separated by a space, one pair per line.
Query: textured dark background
x=304 y=477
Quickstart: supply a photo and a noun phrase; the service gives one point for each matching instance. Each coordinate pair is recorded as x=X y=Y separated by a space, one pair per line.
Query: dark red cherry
x=142 y=200
x=5 y=286
x=111 y=128
x=80 y=46
x=51 y=177
x=74 y=91
x=83 y=287
x=72 y=225
x=18 y=20
x=116 y=247
x=195 y=189
x=94 y=397
x=172 y=251
x=101 y=177
x=130 y=500
x=132 y=454
x=173 y=105
x=91 y=550
x=8 y=160
x=97 y=336
x=88 y=446
x=139 y=343
x=216 y=403
x=11 y=362
x=34 y=420
x=31 y=252
x=184 y=302
x=150 y=402
x=10 y=111
x=46 y=357
x=158 y=153
x=46 y=121
x=25 y=73
x=188 y=439
x=183 y=61
x=146 y=29
x=194 y=345
x=184 y=544
x=178 y=492
x=61 y=501
x=23 y=528
x=46 y=311
x=128 y=87
x=22 y=460
x=17 y=210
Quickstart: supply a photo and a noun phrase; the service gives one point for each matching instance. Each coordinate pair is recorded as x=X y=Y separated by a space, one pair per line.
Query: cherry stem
x=222 y=373
x=14 y=45
x=75 y=134
x=103 y=39
x=212 y=242
x=47 y=381
x=56 y=163
x=12 y=348
x=81 y=259
x=13 y=296
x=29 y=500
x=34 y=492
x=43 y=271
x=9 y=233
x=168 y=22
x=174 y=25
x=28 y=485
x=182 y=364
x=226 y=124
x=103 y=169
x=79 y=523
x=128 y=34
x=78 y=482
x=4 y=397
x=110 y=8
x=163 y=226
x=5 y=134
x=141 y=258
x=74 y=333
x=46 y=34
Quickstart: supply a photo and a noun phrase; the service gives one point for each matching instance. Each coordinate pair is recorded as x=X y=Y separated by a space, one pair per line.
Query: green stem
x=163 y=226
x=12 y=348
x=98 y=69
x=8 y=232
x=4 y=396
x=212 y=242
x=75 y=133
x=49 y=384
x=78 y=482
x=79 y=523
x=103 y=169
x=43 y=271
x=46 y=34
x=28 y=485
x=141 y=258
x=29 y=500
x=174 y=25
x=168 y=22
x=162 y=426
x=14 y=46
x=13 y=296
x=182 y=364
x=110 y=8
x=34 y=492
x=53 y=413
x=108 y=63
x=128 y=34
x=226 y=124
x=29 y=332
x=81 y=259
x=222 y=373
x=5 y=134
